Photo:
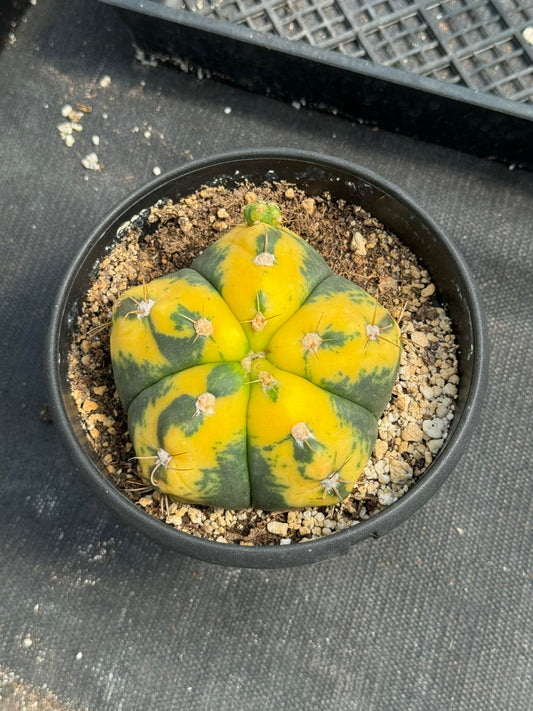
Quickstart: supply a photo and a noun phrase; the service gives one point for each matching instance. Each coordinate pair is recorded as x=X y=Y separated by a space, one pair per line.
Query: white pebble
x=90 y=162
x=27 y=642
x=105 y=81
x=527 y=34
x=427 y=391
x=79 y=655
x=434 y=445
x=278 y=528
x=95 y=140
x=156 y=170
x=195 y=515
x=69 y=140
x=386 y=498
x=227 y=109
x=66 y=110
x=433 y=428
x=449 y=389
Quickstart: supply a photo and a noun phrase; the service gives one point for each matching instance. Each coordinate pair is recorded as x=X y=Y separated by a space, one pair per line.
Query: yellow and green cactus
x=257 y=376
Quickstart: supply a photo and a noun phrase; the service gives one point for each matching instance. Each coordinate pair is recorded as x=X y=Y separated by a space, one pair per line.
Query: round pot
x=314 y=173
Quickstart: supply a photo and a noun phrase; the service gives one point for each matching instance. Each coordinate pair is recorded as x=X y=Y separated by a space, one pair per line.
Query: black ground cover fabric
x=437 y=615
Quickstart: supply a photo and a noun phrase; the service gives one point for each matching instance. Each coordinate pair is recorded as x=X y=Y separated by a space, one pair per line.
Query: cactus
x=257 y=376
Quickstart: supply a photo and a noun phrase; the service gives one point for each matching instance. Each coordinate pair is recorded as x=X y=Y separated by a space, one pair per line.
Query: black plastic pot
x=315 y=173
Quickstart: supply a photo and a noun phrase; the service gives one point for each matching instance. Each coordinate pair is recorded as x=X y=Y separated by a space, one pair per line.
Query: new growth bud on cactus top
x=257 y=376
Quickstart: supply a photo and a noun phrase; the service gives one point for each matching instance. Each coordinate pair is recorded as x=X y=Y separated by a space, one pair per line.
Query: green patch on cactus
x=371 y=390
x=183 y=353
x=225 y=379
x=268 y=493
x=267 y=242
x=132 y=377
x=227 y=485
x=210 y=264
x=180 y=413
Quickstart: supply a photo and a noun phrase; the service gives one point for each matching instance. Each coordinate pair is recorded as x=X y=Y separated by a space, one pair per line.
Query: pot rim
x=275 y=555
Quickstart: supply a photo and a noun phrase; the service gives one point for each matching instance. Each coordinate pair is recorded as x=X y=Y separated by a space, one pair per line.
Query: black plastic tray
x=476 y=94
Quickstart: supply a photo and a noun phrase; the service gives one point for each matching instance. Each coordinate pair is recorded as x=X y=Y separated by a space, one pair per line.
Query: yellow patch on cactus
x=256 y=377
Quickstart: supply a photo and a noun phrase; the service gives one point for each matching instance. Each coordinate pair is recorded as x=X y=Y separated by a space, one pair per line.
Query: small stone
x=90 y=162
x=400 y=471
x=227 y=110
x=105 y=81
x=66 y=110
x=427 y=391
x=429 y=290
x=308 y=205
x=386 y=498
x=412 y=433
x=289 y=194
x=65 y=129
x=460 y=531
x=380 y=448
x=156 y=170
x=433 y=428
x=222 y=214
x=69 y=140
x=195 y=515
x=95 y=140
x=358 y=244
x=420 y=339
x=527 y=34
x=434 y=445
x=450 y=389
x=145 y=501
x=27 y=642
x=90 y=406
x=79 y=655
x=278 y=528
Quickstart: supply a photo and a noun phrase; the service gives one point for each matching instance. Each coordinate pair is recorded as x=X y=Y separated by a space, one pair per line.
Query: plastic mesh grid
x=486 y=45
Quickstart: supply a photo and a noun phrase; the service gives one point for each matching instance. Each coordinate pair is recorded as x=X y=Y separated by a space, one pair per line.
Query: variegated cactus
x=257 y=376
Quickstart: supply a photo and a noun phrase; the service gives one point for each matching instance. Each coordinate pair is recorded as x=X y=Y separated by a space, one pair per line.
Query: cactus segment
x=257 y=376
x=179 y=415
x=306 y=447
x=342 y=340
x=188 y=324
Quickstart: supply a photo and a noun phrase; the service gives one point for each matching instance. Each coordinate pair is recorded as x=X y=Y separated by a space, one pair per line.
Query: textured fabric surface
x=437 y=615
